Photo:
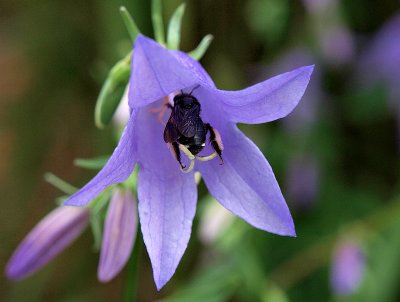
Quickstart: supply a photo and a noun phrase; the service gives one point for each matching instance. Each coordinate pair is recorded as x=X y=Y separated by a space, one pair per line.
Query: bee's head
x=185 y=101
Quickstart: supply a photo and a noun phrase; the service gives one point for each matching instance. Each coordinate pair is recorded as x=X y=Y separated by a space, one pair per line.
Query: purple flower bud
x=347 y=268
x=119 y=235
x=52 y=235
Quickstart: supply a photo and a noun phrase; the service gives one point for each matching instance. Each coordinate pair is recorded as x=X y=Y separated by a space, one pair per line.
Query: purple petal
x=157 y=72
x=167 y=199
x=119 y=235
x=266 y=101
x=47 y=239
x=246 y=185
x=347 y=268
x=117 y=169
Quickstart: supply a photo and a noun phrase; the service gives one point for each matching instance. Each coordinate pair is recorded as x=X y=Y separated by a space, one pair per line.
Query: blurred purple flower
x=337 y=44
x=347 y=268
x=49 y=237
x=302 y=181
x=245 y=184
x=119 y=235
x=383 y=57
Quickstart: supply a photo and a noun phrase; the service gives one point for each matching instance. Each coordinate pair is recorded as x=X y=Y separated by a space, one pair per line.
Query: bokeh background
x=336 y=156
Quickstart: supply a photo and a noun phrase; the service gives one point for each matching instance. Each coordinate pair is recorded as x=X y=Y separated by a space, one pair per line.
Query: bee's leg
x=215 y=140
x=190 y=156
x=174 y=148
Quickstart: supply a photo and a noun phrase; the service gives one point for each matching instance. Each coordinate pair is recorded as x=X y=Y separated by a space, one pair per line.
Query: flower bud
x=119 y=235
x=47 y=239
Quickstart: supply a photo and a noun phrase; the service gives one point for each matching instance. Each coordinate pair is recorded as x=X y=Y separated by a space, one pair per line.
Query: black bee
x=186 y=127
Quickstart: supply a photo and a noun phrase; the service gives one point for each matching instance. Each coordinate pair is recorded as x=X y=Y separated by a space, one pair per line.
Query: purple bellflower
x=244 y=184
x=347 y=268
x=50 y=237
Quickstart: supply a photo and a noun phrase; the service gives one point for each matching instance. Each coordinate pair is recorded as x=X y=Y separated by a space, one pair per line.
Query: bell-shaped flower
x=119 y=234
x=50 y=237
x=244 y=184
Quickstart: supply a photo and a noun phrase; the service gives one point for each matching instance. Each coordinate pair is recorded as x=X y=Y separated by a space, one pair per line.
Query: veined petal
x=246 y=185
x=266 y=101
x=117 y=169
x=47 y=239
x=167 y=199
x=166 y=209
x=119 y=235
x=157 y=72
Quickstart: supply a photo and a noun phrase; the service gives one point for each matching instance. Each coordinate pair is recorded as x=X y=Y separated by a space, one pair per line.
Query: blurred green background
x=336 y=156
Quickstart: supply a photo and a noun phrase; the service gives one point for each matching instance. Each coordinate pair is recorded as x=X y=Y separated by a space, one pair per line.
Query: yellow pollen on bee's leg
x=185 y=150
x=191 y=166
x=207 y=158
x=189 y=154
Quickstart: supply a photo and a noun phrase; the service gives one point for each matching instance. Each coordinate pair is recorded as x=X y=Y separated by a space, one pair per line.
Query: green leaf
x=201 y=49
x=174 y=27
x=214 y=284
x=130 y=24
x=112 y=91
x=60 y=184
x=157 y=19
x=95 y=163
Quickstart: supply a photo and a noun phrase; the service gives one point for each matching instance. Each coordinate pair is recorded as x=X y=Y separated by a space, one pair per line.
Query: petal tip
x=160 y=283
x=11 y=273
x=289 y=229
x=310 y=68
x=103 y=277
x=74 y=203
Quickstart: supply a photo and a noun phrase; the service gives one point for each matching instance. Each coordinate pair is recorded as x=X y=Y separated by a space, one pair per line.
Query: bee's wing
x=171 y=134
x=187 y=122
x=188 y=127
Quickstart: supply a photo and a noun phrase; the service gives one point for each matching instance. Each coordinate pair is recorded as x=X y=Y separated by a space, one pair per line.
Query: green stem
x=132 y=277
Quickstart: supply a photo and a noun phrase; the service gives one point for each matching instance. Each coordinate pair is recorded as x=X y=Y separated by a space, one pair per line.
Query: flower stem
x=132 y=277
